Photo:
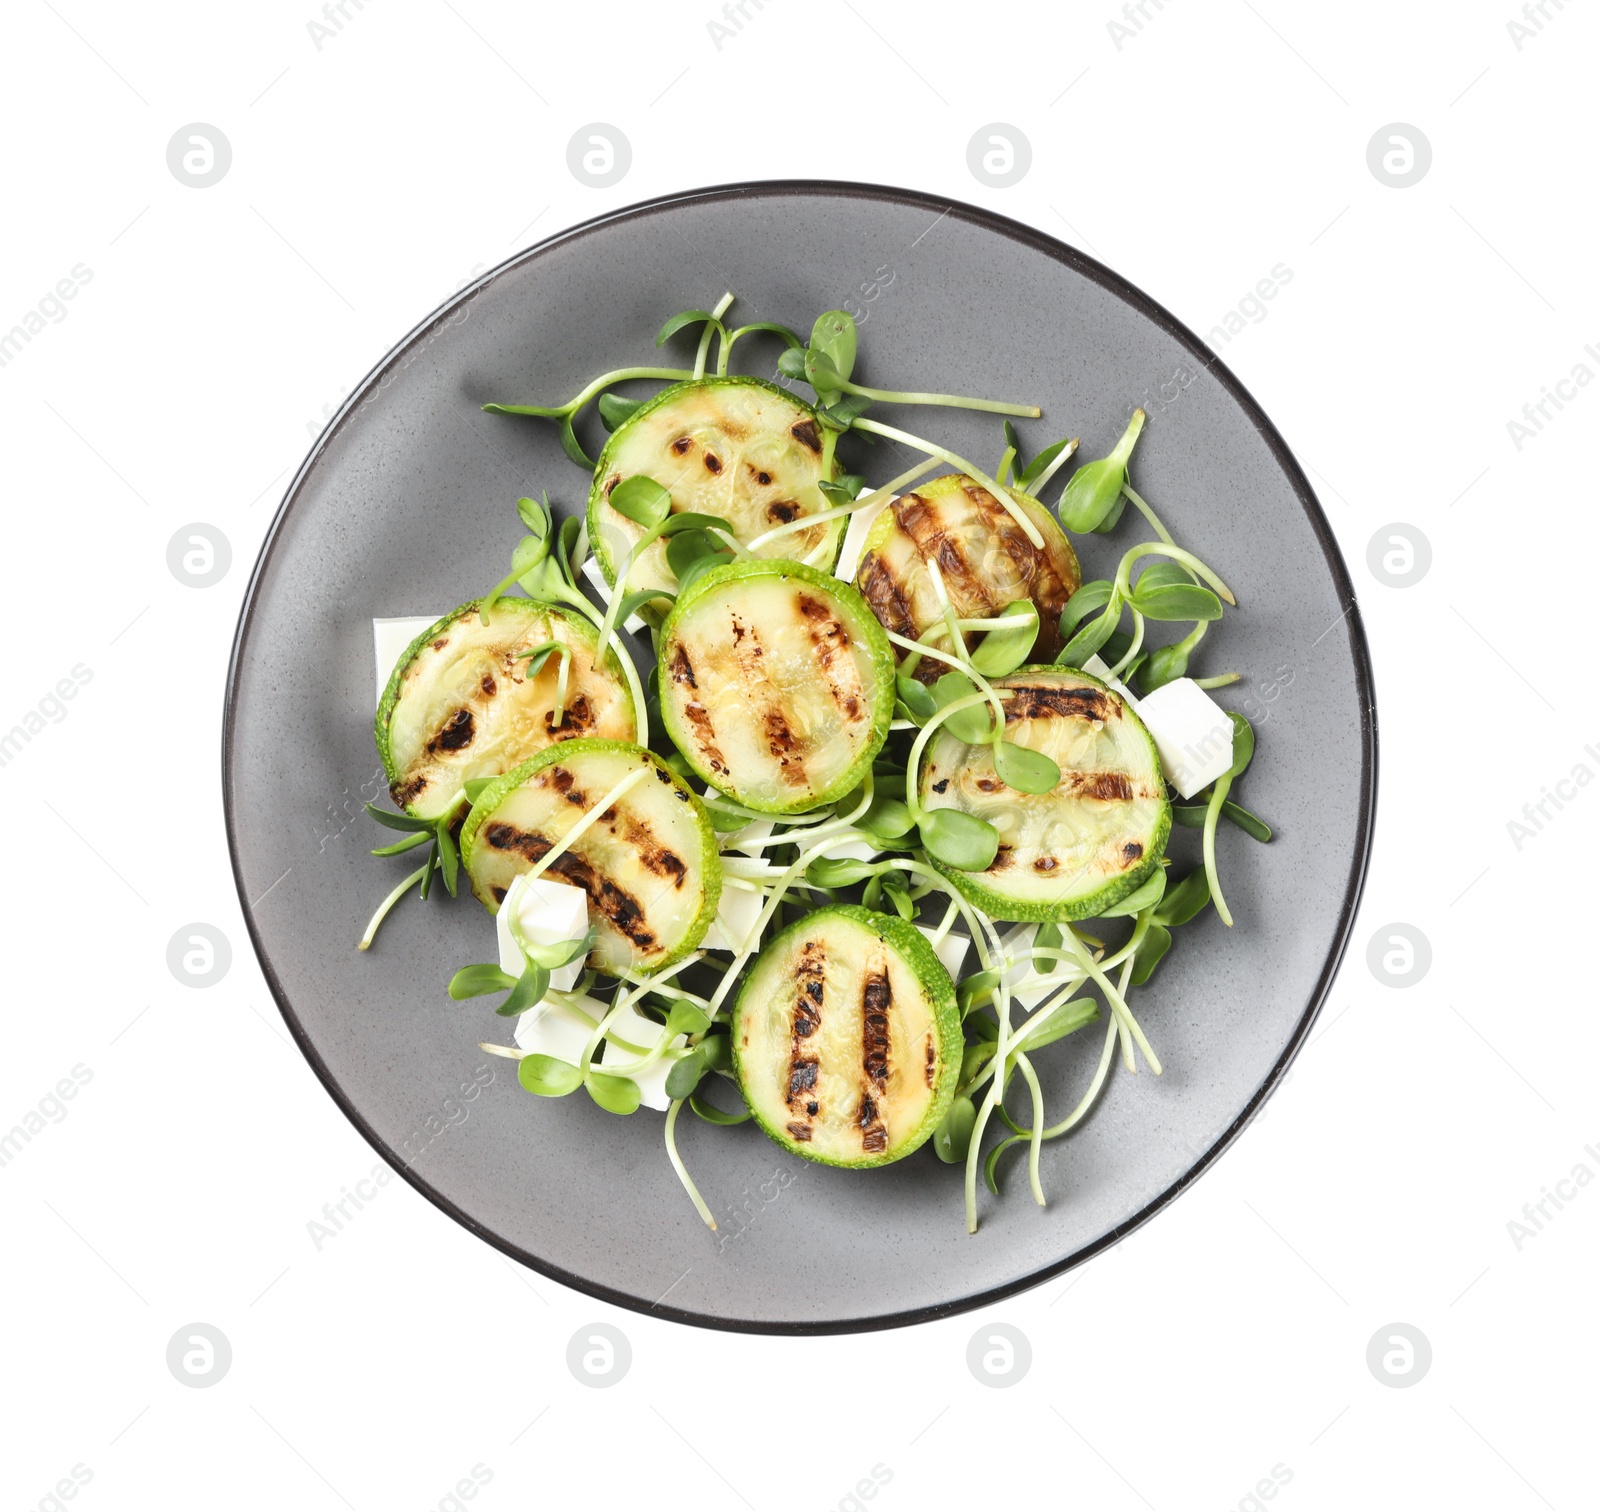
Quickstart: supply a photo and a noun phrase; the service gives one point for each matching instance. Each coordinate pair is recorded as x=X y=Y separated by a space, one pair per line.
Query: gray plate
x=405 y=507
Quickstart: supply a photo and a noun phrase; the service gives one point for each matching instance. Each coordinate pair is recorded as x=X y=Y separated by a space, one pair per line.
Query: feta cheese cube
x=737 y=912
x=951 y=950
x=848 y=850
x=390 y=637
x=591 y=570
x=645 y=1033
x=1193 y=734
x=549 y=913
x=550 y=1028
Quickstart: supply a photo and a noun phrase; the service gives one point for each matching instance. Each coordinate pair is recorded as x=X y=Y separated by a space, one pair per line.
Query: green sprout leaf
x=1091 y=638
x=616 y=1094
x=792 y=362
x=1144 y=896
x=973 y=725
x=888 y=818
x=1184 y=901
x=715 y=1115
x=1193 y=816
x=1026 y=478
x=1176 y=601
x=1003 y=651
x=529 y=991
x=686 y=1074
x=1062 y=1020
x=953 y=1137
x=844 y=491
x=399 y=821
x=614 y=410
x=1155 y=944
x=917 y=698
x=1092 y=499
x=536 y=516
x=960 y=840
x=1026 y=771
x=1165 y=664
x=679 y=321
x=1048 y=937
x=1089 y=599
x=478 y=981
x=685 y=1018
x=1244 y=745
x=898 y=893
x=641 y=499
x=844 y=413
x=545 y=1076
x=572 y=447
x=833 y=340
x=838 y=871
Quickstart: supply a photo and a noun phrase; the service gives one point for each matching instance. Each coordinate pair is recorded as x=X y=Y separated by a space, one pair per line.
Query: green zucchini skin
x=777 y=684
x=847 y=1038
x=649 y=865
x=984 y=557
x=1075 y=851
x=460 y=705
x=709 y=443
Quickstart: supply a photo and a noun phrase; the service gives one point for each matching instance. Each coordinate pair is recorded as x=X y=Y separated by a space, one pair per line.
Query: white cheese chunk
x=737 y=912
x=848 y=850
x=591 y=570
x=855 y=538
x=390 y=637
x=1192 y=732
x=644 y=1033
x=951 y=950
x=549 y=913
x=549 y=1028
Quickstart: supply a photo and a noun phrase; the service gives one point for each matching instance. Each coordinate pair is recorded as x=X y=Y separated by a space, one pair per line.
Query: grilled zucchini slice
x=777 y=684
x=847 y=1038
x=739 y=448
x=649 y=864
x=1074 y=851
x=461 y=704
x=986 y=560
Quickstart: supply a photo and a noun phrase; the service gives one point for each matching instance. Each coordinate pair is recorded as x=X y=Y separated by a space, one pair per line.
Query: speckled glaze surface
x=405 y=507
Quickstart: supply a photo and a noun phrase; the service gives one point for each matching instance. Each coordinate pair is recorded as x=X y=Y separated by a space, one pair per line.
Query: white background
x=425 y=141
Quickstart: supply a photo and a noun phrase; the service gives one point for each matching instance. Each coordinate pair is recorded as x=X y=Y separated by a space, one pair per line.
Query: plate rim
x=1115 y=284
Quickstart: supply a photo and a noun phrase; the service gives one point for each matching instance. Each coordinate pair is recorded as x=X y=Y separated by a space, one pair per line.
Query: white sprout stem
x=1149 y=514
x=803 y=860
x=1219 y=795
x=383 y=908
x=977 y=475
x=510 y=1052
x=683 y=1174
x=1057 y=462
x=1036 y=1137
x=1079 y=1113
x=564 y=844
x=584 y=395
x=906 y=396
x=1133 y=645
x=1178 y=554
x=951 y=915
x=706 y=333
x=1119 y=1006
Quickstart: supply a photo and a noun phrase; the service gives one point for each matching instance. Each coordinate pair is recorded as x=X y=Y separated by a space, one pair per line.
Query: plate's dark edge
x=1115 y=284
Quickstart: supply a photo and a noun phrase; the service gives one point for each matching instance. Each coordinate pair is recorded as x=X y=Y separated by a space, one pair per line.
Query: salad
x=805 y=801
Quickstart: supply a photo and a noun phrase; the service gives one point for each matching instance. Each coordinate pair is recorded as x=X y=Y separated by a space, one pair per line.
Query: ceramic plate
x=405 y=506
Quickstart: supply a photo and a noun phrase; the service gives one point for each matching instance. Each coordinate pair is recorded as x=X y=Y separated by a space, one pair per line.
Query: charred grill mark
x=499 y=893
x=653 y=855
x=885 y=596
x=488 y=685
x=405 y=792
x=1002 y=858
x=1107 y=786
x=828 y=638
x=1046 y=864
x=763 y=478
x=681 y=445
x=695 y=712
x=1032 y=702
x=441 y=643
x=783 y=745
x=875 y=999
x=1131 y=852
x=806 y=434
x=455 y=734
x=578 y=717
x=808 y=974
x=942 y=784
x=874 y=1136
x=612 y=482
x=784 y=510
x=712 y=464
x=617 y=907
x=930 y=1062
